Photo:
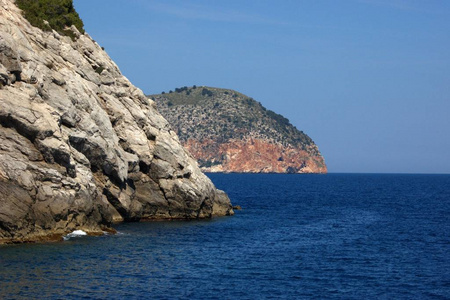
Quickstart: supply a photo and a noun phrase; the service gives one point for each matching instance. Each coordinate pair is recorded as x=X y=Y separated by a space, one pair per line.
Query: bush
x=182 y=89
x=58 y=13
x=99 y=70
x=206 y=92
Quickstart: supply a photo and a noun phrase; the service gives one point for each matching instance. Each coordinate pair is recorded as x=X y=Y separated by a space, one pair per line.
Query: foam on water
x=75 y=233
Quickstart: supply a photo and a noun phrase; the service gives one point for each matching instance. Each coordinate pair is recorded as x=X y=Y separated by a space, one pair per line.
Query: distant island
x=227 y=131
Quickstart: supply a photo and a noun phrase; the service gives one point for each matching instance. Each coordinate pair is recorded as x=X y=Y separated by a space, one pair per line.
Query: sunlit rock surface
x=80 y=146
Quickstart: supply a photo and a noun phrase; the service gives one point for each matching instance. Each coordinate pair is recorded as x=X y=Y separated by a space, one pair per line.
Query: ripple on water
x=333 y=236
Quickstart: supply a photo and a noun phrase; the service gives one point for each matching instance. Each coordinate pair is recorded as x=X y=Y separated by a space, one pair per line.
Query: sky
x=367 y=80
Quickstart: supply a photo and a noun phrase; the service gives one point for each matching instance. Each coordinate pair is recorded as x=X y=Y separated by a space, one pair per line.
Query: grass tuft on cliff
x=220 y=114
x=51 y=14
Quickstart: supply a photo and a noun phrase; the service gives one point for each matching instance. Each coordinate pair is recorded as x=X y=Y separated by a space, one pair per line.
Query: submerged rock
x=80 y=146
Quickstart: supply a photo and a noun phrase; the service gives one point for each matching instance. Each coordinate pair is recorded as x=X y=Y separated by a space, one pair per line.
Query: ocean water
x=334 y=236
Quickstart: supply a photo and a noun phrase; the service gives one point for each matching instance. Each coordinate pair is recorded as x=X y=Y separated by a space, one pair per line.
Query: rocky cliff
x=227 y=131
x=80 y=146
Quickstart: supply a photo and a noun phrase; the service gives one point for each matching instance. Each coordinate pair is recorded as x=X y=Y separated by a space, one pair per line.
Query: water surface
x=351 y=236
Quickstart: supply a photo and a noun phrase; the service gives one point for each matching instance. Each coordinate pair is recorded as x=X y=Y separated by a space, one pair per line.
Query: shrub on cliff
x=51 y=14
x=207 y=92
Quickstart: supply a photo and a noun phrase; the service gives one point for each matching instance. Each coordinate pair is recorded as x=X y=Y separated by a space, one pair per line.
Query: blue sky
x=367 y=80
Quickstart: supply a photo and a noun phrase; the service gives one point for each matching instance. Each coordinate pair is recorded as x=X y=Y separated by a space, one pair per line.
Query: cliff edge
x=227 y=131
x=80 y=146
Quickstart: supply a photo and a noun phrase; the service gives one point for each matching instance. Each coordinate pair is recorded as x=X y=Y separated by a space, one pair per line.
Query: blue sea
x=334 y=236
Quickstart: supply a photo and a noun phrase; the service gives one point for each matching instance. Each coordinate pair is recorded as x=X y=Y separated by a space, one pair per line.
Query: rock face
x=80 y=146
x=229 y=132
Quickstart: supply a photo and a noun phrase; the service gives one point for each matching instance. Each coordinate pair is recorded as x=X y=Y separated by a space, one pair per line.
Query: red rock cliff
x=253 y=156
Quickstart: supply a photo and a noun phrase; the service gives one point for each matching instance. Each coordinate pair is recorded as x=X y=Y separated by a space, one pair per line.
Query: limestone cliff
x=80 y=146
x=227 y=131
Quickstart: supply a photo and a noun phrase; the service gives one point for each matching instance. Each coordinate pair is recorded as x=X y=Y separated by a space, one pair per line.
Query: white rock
x=82 y=143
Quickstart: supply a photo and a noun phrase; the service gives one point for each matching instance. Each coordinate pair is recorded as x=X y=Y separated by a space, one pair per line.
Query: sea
x=298 y=236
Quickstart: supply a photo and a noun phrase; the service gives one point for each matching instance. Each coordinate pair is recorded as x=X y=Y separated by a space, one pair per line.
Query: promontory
x=80 y=146
x=227 y=131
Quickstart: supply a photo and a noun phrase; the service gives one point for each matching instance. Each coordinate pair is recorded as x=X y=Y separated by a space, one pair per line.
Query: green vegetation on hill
x=220 y=114
x=51 y=14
